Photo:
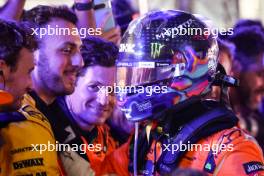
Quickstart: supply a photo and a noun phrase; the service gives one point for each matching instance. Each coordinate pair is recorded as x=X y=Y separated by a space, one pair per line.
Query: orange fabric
x=61 y=168
x=96 y=157
x=244 y=150
x=5 y=98
x=116 y=162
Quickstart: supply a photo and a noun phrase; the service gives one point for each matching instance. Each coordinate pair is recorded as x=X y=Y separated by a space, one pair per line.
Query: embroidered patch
x=253 y=167
x=210 y=164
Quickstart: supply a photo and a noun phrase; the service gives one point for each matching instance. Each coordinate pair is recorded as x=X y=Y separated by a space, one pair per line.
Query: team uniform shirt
x=21 y=139
x=88 y=149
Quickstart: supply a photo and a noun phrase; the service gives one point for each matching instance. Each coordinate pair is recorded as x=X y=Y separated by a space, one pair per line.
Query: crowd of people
x=58 y=117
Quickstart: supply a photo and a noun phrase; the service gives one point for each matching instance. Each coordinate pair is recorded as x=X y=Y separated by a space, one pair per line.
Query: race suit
x=22 y=134
x=224 y=149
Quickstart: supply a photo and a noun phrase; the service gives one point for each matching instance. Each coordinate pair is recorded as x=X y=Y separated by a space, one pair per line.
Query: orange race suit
x=221 y=149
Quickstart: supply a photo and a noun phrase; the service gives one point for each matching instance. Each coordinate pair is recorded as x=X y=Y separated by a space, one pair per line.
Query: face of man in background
x=18 y=81
x=252 y=84
x=59 y=60
x=90 y=104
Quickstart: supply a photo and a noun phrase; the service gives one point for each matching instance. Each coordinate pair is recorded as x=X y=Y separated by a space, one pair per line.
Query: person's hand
x=113 y=35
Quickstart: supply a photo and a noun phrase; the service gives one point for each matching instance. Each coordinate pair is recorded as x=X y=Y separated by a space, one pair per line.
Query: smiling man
x=249 y=68
x=16 y=65
x=81 y=115
x=58 y=61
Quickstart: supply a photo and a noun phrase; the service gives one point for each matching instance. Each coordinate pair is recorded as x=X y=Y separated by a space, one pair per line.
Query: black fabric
x=143 y=147
x=213 y=118
x=118 y=134
x=249 y=116
x=60 y=119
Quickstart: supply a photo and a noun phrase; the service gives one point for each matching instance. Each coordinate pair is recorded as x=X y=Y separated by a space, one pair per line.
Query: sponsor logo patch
x=28 y=163
x=253 y=167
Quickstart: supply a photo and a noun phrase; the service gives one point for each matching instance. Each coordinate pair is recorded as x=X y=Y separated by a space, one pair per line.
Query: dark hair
x=41 y=15
x=247 y=23
x=227 y=47
x=249 y=42
x=14 y=37
x=96 y=51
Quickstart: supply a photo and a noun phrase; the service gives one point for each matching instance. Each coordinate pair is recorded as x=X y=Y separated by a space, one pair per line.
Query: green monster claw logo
x=156 y=49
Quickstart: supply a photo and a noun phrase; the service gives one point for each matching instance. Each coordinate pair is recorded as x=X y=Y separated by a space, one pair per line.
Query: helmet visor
x=148 y=74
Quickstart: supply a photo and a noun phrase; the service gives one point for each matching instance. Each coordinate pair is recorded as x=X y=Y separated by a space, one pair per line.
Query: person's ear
x=36 y=57
x=2 y=67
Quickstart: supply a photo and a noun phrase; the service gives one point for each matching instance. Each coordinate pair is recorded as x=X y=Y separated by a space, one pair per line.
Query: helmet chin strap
x=224 y=81
x=135 y=148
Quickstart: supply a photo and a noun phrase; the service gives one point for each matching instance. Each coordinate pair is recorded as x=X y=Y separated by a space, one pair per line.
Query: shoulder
x=228 y=152
x=9 y=117
x=235 y=145
x=33 y=115
x=237 y=137
x=230 y=141
x=245 y=152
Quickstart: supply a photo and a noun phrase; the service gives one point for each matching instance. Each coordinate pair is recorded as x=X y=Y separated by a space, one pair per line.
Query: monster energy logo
x=156 y=49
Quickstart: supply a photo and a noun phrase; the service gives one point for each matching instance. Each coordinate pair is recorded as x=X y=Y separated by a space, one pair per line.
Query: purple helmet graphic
x=165 y=58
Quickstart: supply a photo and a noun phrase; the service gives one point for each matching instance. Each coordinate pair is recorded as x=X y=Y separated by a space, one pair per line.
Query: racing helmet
x=165 y=58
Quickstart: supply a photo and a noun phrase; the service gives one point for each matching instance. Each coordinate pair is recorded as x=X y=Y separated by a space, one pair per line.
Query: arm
x=86 y=18
x=245 y=159
x=114 y=35
x=116 y=162
x=12 y=10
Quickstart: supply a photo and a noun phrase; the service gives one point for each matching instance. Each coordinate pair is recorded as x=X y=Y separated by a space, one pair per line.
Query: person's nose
x=77 y=60
x=103 y=97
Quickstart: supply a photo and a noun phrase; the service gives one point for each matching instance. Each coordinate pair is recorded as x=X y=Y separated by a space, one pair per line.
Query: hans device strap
x=193 y=132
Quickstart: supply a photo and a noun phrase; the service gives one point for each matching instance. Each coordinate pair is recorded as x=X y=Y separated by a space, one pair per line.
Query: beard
x=50 y=81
